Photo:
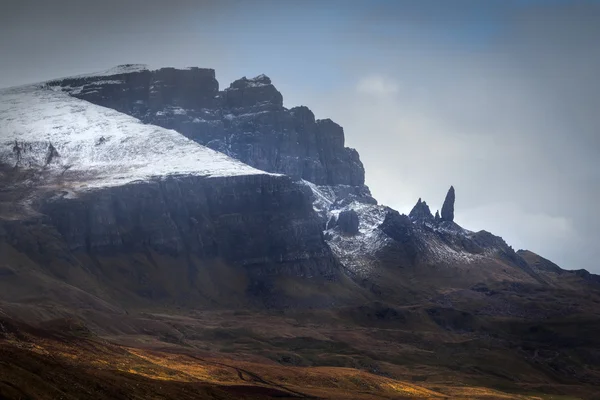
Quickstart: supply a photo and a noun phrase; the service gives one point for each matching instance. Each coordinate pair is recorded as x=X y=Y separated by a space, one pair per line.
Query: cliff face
x=182 y=240
x=247 y=120
x=255 y=220
x=121 y=201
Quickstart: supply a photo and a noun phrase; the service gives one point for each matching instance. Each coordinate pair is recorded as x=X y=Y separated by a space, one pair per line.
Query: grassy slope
x=63 y=361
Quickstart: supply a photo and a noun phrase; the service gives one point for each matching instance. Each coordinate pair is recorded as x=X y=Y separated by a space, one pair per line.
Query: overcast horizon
x=500 y=99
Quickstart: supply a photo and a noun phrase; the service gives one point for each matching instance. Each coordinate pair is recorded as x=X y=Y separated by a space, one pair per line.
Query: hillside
x=169 y=221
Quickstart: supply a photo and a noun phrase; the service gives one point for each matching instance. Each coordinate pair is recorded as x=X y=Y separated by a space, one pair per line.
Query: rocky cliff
x=251 y=220
x=246 y=121
x=89 y=190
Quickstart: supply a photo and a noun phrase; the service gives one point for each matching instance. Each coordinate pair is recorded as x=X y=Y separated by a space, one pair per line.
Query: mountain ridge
x=256 y=101
x=289 y=260
x=247 y=120
x=170 y=98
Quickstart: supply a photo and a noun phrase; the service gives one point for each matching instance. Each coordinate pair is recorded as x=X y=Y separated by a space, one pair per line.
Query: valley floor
x=63 y=359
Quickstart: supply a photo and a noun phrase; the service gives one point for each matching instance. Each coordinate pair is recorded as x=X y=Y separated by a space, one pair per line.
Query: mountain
x=246 y=121
x=84 y=184
x=149 y=208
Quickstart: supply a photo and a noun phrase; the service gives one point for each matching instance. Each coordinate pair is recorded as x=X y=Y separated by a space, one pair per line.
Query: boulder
x=348 y=222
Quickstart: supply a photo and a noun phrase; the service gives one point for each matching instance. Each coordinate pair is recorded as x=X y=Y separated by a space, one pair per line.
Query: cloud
x=514 y=127
x=377 y=86
x=533 y=230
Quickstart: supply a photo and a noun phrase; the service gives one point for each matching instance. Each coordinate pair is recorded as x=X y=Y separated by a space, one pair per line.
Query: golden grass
x=184 y=366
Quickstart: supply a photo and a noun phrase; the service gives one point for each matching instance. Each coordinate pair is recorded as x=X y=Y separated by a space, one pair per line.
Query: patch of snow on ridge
x=257 y=81
x=54 y=132
x=91 y=87
x=439 y=252
x=358 y=252
x=178 y=111
x=123 y=69
x=120 y=69
x=323 y=198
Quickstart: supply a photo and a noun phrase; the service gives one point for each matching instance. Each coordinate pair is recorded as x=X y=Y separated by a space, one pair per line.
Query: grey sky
x=499 y=98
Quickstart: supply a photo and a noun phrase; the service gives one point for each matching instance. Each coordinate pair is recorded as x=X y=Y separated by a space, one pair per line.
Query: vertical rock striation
x=263 y=221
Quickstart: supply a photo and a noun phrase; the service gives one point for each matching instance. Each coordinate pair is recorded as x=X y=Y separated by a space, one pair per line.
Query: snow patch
x=258 y=81
x=97 y=145
x=120 y=69
x=358 y=253
x=179 y=111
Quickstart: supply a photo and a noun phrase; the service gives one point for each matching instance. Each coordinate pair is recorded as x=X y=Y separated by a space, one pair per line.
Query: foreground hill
x=115 y=215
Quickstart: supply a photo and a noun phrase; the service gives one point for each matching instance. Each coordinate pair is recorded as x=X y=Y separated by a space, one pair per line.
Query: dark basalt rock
x=346 y=194
x=421 y=212
x=407 y=246
x=448 y=206
x=252 y=93
x=246 y=121
x=348 y=222
x=262 y=221
x=397 y=226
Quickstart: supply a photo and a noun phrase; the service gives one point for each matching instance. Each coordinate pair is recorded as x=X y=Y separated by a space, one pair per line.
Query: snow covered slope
x=358 y=252
x=89 y=146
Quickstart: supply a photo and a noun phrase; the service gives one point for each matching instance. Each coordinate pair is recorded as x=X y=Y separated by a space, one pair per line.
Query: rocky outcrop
x=256 y=94
x=421 y=212
x=397 y=226
x=448 y=206
x=444 y=243
x=348 y=222
x=247 y=120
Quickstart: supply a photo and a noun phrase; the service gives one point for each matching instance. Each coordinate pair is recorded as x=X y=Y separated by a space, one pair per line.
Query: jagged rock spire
x=437 y=216
x=448 y=207
x=420 y=212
